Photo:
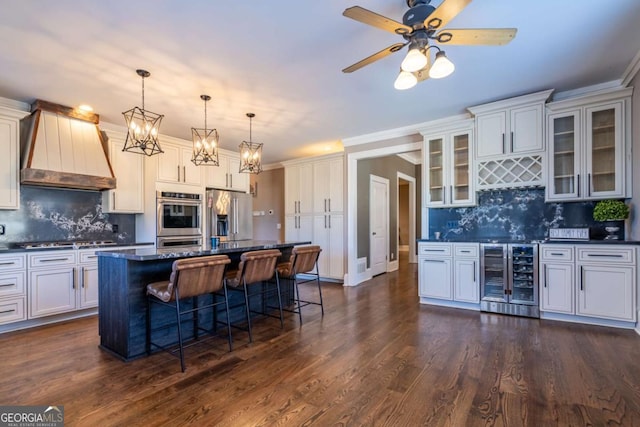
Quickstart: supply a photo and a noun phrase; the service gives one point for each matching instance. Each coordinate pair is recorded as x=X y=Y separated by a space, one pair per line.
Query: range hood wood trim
x=63 y=110
x=47 y=178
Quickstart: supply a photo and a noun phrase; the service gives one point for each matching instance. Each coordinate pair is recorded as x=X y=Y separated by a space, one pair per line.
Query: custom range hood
x=64 y=148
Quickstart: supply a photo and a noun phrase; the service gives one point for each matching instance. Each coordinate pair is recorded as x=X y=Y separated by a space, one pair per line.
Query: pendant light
x=205 y=142
x=143 y=127
x=250 y=153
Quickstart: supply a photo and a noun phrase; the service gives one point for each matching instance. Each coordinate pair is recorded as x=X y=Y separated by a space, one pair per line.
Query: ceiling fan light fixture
x=205 y=142
x=414 y=61
x=442 y=66
x=405 y=80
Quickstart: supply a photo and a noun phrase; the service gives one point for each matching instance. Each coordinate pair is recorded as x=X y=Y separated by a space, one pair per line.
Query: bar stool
x=303 y=260
x=190 y=278
x=257 y=267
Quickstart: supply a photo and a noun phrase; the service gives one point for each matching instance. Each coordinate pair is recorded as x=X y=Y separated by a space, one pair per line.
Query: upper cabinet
x=226 y=176
x=328 y=185
x=175 y=166
x=10 y=160
x=298 y=189
x=448 y=165
x=128 y=168
x=589 y=151
x=510 y=127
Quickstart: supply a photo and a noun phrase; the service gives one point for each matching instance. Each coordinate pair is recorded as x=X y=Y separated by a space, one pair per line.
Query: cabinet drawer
x=51 y=259
x=12 y=310
x=88 y=256
x=607 y=255
x=556 y=253
x=437 y=249
x=12 y=284
x=12 y=262
x=466 y=250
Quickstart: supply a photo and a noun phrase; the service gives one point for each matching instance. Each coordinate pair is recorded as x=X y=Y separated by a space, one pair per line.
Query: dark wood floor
x=377 y=357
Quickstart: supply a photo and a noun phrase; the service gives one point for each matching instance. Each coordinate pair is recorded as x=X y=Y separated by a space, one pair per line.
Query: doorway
x=378 y=224
x=406 y=215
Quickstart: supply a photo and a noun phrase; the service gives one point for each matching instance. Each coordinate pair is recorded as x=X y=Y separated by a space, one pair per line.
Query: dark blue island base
x=123 y=278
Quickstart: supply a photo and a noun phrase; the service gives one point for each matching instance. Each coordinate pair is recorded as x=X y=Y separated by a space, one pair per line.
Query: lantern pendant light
x=205 y=142
x=250 y=153
x=143 y=127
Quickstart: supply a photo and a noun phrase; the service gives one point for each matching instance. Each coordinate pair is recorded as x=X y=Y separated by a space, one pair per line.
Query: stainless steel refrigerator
x=229 y=215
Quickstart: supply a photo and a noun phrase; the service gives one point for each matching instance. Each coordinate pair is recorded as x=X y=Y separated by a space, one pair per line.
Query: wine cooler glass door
x=494 y=272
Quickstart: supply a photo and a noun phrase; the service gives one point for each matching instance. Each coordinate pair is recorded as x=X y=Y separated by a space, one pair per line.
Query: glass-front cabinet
x=448 y=169
x=586 y=155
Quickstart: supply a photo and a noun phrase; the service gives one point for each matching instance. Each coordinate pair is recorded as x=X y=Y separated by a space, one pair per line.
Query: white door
x=378 y=223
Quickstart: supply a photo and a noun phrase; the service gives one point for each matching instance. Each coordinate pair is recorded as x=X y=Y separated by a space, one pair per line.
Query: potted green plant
x=612 y=213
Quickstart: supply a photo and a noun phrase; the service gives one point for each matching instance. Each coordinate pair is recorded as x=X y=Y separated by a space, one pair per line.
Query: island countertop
x=225 y=248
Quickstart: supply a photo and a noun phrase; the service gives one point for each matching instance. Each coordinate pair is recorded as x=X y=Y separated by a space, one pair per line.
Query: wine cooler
x=509 y=279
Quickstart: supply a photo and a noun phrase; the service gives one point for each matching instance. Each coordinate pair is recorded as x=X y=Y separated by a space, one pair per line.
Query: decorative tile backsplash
x=48 y=214
x=509 y=214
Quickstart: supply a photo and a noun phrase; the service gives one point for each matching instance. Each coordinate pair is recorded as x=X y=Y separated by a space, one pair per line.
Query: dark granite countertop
x=13 y=247
x=546 y=241
x=151 y=254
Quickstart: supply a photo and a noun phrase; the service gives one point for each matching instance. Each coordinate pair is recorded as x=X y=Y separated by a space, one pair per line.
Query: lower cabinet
x=589 y=282
x=448 y=274
x=328 y=233
x=52 y=283
x=13 y=280
x=87 y=278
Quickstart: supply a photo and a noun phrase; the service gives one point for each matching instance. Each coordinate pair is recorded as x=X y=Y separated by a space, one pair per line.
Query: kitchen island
x=123 y=277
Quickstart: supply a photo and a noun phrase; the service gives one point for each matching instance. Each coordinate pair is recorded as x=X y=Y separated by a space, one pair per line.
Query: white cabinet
x=87 y=278
x=557 y=282
x=298 y=228
x=226 y=176
x=175 y=165
x=434 y=270
x=10 y=159
x=298 y=189
x=328 y=233
x=12 y=288
x=607 y=283
x=510 y=127
x=466 y=272
x=128 y=168
x=328 y=185
x=52 y=283
x=590 y=281
x=447 y=167
x=588 y=154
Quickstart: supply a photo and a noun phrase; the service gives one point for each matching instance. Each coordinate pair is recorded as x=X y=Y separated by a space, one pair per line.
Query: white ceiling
x=282 y=60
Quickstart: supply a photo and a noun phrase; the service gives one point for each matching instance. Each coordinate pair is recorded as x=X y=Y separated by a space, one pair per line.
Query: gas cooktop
x=66 y=244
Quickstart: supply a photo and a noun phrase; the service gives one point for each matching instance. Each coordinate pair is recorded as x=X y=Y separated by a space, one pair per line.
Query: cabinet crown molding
x=311 y=159
x=602 y=95
x=503 y=104
x=449 y=124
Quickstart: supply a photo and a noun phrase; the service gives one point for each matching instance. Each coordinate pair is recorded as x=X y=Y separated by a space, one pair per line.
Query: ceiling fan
x=421 y=25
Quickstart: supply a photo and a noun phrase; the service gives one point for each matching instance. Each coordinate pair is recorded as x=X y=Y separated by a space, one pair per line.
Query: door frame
x=412 y=214
x=385 y=182
x=352 y=278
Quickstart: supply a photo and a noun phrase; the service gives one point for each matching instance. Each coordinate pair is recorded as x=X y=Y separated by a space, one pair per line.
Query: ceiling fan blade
x=479 y=36
x=379 y=55
x=371 y=18
x=444 y=13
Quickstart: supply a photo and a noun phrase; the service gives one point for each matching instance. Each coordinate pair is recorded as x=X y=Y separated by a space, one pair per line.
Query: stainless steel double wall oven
x=179 y=220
